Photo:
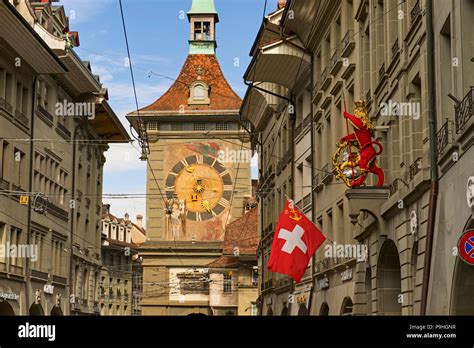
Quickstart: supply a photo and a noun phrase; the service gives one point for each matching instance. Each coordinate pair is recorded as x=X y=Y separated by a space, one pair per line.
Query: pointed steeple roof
x=203 y=7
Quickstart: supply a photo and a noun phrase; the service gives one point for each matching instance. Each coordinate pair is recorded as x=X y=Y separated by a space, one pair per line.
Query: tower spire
x=203 y=18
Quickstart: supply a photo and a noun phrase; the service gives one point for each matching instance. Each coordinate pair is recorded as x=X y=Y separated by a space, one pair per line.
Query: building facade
x=233 y=277
x=52 y=185
x=120 y=281
x=198 y=177
x=454 y=51
x=379 y=52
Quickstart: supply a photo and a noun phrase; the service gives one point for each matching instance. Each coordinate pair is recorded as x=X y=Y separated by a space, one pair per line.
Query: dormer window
x=199 y=94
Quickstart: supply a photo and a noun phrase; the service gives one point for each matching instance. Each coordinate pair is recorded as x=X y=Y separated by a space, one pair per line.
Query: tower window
x=202 y=31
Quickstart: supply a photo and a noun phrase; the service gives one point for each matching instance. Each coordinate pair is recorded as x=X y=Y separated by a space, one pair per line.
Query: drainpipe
x=433 y=156
x=261 y=303
x=72 y=217
x=313 y=205
x=30 y=190
x=292 y=119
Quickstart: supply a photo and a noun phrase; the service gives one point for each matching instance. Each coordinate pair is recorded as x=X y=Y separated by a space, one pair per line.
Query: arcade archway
x=36 y=310
x=6 y=309
x=346 y=307
x=56 y=311
x=389 y=283
x=324 y=310
x=302 y=310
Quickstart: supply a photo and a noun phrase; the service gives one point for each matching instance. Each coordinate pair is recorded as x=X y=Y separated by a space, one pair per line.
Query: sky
x=158 y=32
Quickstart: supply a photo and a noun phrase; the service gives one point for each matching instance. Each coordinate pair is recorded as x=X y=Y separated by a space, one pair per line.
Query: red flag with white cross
x=295 y=241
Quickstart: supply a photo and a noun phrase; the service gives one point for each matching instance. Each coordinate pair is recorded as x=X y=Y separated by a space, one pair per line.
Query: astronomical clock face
x=204 y=183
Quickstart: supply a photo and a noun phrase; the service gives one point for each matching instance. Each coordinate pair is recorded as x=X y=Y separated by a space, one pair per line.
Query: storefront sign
x=346 y=275
x=9 y=296
x=48 y=289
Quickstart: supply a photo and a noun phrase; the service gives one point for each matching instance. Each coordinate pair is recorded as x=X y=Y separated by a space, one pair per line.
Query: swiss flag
x=294 y=243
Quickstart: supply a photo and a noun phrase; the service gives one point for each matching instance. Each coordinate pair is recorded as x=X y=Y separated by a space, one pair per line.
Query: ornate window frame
x=202 y=101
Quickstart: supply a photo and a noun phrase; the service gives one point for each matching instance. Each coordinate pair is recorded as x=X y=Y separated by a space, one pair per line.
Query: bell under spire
x=203 y=18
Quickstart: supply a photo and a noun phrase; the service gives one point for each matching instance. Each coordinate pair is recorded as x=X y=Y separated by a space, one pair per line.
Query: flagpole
x=313 y=283
x=348 y=140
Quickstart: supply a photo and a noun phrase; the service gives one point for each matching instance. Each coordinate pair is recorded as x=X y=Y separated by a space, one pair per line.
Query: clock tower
x=198 y=176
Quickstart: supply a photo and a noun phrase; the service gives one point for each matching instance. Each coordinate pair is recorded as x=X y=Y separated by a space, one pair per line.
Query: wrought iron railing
x=395 y=48
x=382 y=72
x=6 y=106
x=464 y=111
x=325 y=74
x=442 y=137
x=414 y=168
x=368 y=97
x=20 y=117
x=307 y=200
x=4 y=184
x=346 y=40
x=335 y=58
x=326 y=172
x=415 y=12
x=52 y=208
x=45 y=113
x=63 y=129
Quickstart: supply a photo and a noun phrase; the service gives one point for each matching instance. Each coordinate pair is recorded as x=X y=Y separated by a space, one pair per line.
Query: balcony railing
x=325 y=77
x=336 y=61
x=415 y=12
x=45 y=113
x=414 y=168
x=347 y=43
x=443 y=137
x=368 y=97
x=4 y=185
x=6 y=106
x=52 y=208
x=395 y=48
x=285 y=159
x=303 y=125
x=382 y=72
x=20 y=117
x=64 y=130
x=464 y=111
x=327 y=173
x=394 y=187
x=307 y=200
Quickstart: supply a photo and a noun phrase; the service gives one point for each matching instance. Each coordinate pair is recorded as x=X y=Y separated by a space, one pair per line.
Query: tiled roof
x=243 y=234
x=201 y=67
x=225 y=261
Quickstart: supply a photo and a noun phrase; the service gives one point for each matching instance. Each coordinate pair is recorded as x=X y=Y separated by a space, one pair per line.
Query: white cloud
x=123 y=158
x=80 y=11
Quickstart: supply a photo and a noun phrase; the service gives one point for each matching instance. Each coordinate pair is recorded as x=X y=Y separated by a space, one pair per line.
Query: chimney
x=127 y=217
x=105 y=208
x=139 y=221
